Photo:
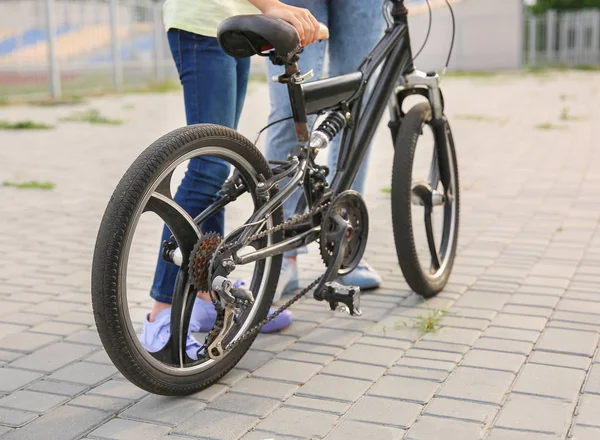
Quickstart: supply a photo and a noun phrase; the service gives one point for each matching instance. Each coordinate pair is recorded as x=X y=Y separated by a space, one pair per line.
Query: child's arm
x=304 y=22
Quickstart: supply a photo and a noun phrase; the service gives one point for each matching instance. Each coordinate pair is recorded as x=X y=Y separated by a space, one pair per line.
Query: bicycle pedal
x=349 y=297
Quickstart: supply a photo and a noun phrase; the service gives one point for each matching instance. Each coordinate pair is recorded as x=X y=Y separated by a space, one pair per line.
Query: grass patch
x=93 y=116
x=128 y=106
x=429 y=323
x=166 y=86
x=32 y=184
x=549 y=126
x=386 y=190
x=565 y=115
x=52 y=102
x=587 y=68
x=482 y=118
x=24 y=125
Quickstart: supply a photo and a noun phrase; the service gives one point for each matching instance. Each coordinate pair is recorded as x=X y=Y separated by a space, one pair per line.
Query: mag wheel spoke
x=435 y=258
x=181 y=224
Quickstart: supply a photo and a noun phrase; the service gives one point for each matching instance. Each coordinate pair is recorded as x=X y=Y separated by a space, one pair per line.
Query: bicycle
x=330 y=214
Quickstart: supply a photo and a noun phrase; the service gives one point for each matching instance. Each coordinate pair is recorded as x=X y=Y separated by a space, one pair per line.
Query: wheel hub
x=423 y=195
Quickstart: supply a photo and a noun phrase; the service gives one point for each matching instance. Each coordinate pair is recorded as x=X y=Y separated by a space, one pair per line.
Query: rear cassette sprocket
x=200 y=259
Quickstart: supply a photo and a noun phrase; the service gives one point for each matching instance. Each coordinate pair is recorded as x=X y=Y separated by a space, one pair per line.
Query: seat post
x=294 y=80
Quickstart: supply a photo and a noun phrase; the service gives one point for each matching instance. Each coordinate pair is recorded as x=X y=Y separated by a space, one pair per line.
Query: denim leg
x=281 y=137
x=355 y=26
x=211 y=81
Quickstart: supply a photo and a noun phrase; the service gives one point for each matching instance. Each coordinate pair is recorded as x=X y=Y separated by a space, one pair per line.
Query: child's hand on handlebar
x=305 y=23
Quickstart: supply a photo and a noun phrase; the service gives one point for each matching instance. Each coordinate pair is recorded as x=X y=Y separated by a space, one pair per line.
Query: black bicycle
x=330 y=214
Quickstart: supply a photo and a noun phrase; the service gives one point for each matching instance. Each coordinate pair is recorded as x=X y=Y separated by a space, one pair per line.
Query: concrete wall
x=489 y=35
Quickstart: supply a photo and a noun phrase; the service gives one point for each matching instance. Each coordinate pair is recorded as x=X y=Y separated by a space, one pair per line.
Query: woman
x=355 y=26
x=214 y=88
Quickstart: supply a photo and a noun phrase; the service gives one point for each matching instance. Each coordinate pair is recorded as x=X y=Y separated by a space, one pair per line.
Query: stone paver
x=385 y=411
x=537 y=414
x=429 y=428
x=363 y=431
x=217 y=424
x=461 y=409
x=549 y=381
x=119 y=429
x=334 y=387
x=480 y=385
x=32 y=401
x=517 y=354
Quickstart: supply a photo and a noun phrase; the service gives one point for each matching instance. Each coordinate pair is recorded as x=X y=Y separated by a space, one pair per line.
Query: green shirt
x=203 y=16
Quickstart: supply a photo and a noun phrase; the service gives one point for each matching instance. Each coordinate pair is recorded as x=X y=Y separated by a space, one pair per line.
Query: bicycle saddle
x=243 y=36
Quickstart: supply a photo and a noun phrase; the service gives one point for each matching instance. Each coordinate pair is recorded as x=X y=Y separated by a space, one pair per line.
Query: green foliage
x=24 y=125
x=429 y=323
x=482 y=118
x=548 y=126
x=33 y=184
x=563 y=5
x=93 y=116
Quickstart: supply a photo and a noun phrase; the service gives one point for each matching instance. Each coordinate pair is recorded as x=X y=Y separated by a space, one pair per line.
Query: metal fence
x=563 y=39
x=68 y=47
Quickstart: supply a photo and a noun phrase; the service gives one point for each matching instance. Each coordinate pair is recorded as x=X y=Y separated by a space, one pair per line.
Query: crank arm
x=338 y=255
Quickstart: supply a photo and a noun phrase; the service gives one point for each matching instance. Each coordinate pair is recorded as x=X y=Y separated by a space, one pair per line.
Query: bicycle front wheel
x=419 y=197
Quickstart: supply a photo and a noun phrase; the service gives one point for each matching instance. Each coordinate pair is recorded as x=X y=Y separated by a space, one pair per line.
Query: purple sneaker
x=204 y=316
x=155 y=335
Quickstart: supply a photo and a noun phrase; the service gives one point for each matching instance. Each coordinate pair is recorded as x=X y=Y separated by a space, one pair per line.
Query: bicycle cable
x=269 y=125
x=453 y=36
x=428 y=31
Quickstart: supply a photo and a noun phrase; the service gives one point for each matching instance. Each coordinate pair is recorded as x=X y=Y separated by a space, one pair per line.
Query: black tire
x=411 y=128
x=112 y=323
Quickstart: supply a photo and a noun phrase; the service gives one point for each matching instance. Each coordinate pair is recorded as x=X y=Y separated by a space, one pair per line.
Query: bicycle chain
x=254 y=330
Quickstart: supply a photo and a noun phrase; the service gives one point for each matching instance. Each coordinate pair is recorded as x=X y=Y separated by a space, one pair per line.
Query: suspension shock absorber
x=332 y=125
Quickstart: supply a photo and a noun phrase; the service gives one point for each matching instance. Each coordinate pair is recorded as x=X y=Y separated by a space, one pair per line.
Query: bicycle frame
x=397 y=78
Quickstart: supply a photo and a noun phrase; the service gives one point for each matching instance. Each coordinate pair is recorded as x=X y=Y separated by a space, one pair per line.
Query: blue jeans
x=355 y=26
x=214 y=88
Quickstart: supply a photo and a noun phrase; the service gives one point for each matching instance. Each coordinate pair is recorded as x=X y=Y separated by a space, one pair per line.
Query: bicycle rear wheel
x=120 y=288
x=426 y=255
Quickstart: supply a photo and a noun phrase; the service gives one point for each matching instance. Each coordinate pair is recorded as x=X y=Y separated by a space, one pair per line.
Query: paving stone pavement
x=516 y=357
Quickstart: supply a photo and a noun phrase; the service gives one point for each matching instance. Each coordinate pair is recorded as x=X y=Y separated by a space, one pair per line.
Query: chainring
x=351 y=206
x=203 y=252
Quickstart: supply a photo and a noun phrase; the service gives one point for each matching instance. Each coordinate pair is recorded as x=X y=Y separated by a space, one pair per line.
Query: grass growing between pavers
x=482 y=118
x=92 y=116
x=32 y=184
x=565 y=115
x=429 y=323
x=386 y=190
x=549 y=126
x=25 y=125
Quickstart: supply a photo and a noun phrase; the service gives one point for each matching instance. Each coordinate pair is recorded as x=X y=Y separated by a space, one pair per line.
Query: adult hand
x=303 y=21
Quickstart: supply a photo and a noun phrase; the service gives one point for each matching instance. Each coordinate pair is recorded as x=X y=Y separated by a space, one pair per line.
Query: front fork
x=428 y=85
